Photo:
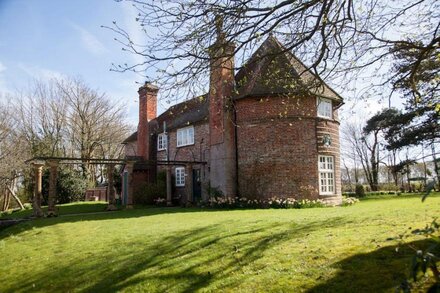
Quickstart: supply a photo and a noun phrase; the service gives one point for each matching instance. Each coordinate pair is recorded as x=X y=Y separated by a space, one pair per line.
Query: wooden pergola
x=38 y=163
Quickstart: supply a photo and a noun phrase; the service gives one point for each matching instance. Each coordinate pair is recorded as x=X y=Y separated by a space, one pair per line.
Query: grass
x=343 y=249
x=65 y=209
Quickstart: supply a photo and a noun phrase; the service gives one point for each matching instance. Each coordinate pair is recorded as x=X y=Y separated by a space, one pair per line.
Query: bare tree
x=96 y=125
x=40 y=118
x=338 y=39
x=60 y=118
x=12 y=154
x=364 y=150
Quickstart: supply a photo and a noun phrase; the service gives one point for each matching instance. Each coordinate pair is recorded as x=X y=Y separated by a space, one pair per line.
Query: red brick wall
x=147 y=112
x=274 y=107
x=199 y=151
x=278 y=146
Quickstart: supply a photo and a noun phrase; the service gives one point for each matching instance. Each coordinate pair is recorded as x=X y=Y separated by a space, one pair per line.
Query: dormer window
x=185 y=136
x=161 y=142
x=324 y=108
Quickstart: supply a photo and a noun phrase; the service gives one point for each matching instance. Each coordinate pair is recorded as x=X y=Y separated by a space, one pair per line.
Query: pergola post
x=53 y=169
x=110 y=188
x=189 y=183
x=169 y=186
x=130 y=168
x=36 y=202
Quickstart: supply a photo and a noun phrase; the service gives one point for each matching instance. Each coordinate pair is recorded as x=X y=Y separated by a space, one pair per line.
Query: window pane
x=324 y=108
x=329 y=163
x=191 y=135
x=180 y=176
x=179 y=137
x=185 y=137
x=161 y=141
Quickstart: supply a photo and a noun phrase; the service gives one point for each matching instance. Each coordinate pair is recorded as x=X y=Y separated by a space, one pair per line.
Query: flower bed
x=271 y=203
x=348 y=201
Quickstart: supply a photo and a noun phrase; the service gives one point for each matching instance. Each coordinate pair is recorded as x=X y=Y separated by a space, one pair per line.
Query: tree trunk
x=15 y=197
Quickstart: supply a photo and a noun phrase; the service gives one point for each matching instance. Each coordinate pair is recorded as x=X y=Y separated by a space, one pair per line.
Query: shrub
x=70 y=186
x=150 y=193
x=147 y=193
x=214 y=192
x=359 y=191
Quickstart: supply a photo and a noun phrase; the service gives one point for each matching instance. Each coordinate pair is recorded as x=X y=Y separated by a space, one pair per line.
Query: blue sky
x=52 y=38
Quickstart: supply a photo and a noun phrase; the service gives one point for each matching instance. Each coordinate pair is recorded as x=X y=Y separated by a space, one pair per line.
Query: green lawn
x=65 y=209
x=343 y=249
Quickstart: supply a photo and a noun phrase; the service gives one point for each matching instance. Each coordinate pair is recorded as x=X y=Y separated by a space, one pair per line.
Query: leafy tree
x=419 y=123
x=374 y=127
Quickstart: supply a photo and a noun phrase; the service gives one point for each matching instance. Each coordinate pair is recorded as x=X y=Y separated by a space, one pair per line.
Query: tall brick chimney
x=221 y=114
x=147 y=112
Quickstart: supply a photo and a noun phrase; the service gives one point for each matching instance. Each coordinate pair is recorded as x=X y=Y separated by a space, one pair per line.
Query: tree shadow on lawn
x=68 y=216
x=382 y=270
x=183 y=262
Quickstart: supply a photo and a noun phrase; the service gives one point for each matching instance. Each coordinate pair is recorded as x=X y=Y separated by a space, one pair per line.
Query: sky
x=42 y=39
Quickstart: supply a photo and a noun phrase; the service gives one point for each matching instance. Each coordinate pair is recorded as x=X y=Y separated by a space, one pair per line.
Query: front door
x=197 y=186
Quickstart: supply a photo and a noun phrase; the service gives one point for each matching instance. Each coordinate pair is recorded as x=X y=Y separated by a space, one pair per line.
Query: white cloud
x=41 y=73
x=89 y=40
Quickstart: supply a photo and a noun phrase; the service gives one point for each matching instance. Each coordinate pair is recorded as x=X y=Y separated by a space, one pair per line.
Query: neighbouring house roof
x=273 y=69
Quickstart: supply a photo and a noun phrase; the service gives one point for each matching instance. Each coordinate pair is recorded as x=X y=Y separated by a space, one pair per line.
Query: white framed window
x=326 y=169
x=185 y=136
x=324 y=108
x=180 y=176
x=161 y=141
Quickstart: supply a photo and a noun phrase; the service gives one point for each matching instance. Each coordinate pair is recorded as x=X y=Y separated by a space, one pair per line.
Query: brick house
x=271 y=129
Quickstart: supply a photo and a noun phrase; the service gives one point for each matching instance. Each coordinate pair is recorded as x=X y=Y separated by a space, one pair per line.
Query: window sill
x=327 y=194
x=184 y=145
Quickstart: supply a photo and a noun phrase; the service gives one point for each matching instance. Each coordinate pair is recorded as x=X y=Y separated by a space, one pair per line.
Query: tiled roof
x=179 y=115
x=185 y=113
x=131 y=138
x=273 y=69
